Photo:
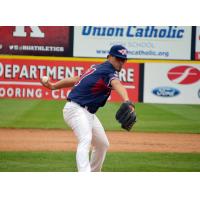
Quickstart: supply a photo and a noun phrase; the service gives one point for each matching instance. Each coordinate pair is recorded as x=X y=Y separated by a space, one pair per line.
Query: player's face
x=118 y=63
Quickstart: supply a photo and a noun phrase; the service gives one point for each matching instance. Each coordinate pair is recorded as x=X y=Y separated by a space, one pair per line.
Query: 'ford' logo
x=166 y=91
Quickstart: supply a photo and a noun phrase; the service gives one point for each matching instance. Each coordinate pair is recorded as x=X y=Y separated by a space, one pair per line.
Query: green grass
x=31 y=114
x=115 y=162
x=157 y=118
x=152 y=162
x=37 y=162
x=151 y=117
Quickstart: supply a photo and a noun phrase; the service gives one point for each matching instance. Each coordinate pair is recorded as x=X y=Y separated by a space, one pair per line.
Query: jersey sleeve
x=113 y=76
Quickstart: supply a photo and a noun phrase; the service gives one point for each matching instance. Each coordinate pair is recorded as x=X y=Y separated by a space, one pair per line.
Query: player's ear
x=109 y=57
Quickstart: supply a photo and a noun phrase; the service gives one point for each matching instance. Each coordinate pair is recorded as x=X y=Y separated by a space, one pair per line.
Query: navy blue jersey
x=94 y=86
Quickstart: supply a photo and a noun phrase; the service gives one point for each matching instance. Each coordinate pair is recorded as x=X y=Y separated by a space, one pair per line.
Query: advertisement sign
x=142 y=42
x=172 y=83
x=35 y=40
x=197 y=48
x=20 y=77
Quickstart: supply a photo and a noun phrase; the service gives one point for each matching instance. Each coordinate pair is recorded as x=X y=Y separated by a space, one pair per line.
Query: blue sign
x=165 y=91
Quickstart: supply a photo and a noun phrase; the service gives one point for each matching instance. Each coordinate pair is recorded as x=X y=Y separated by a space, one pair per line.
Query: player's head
x=117 y=56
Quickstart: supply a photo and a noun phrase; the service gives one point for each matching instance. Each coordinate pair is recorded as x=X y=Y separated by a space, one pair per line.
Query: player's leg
x=100 y=145
x=77 y=119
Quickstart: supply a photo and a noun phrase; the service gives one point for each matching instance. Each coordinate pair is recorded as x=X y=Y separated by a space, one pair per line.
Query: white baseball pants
x=88 y=131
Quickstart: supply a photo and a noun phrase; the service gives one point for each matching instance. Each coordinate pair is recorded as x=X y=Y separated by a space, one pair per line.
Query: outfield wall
x=172 y=82
x=146 y=81
x=20 y=76
x=142 y=42
x=162 y=69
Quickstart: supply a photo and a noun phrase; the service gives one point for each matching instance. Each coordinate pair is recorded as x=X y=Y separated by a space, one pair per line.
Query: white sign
x=143 y=42
x=172 y=83
x=197 y=49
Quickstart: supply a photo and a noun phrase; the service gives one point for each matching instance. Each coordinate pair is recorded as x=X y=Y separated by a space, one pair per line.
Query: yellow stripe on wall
x=93 y=59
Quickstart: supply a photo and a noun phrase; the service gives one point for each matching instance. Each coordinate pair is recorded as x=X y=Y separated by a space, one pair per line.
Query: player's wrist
x=131 y=103
x=53 y=86
x=126 y=100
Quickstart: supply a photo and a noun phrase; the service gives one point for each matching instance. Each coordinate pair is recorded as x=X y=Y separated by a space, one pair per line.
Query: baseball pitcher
x=89 y=92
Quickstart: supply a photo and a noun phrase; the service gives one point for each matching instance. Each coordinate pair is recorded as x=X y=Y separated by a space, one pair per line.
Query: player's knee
x=85 y=141
x=106 y=144
x=102 y=145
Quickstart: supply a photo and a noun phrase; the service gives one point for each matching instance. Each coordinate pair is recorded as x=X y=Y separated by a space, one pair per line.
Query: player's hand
x=46 y=83
x=126 y=115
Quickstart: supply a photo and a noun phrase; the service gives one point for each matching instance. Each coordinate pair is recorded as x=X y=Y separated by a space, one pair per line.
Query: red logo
x=184 y=74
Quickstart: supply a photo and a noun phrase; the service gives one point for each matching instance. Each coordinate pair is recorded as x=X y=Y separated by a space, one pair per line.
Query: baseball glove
x=126 y=116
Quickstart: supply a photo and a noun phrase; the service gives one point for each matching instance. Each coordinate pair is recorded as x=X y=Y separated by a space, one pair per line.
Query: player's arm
x=120 y=89
x=64 y=83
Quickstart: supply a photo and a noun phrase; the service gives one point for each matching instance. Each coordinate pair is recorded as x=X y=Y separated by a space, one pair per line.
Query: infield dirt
x=62 y=140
